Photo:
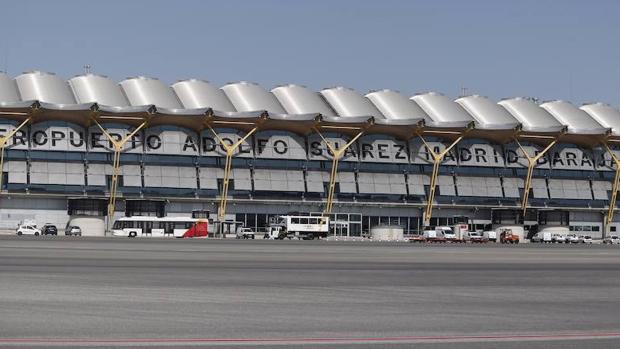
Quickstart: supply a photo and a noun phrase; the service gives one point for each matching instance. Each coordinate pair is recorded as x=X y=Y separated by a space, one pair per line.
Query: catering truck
x=300 y=227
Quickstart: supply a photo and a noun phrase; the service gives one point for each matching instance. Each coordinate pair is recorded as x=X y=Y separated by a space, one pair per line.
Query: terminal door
x=339 y=229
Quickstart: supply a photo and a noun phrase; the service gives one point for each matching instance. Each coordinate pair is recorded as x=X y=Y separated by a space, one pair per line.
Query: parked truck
x=433 y=235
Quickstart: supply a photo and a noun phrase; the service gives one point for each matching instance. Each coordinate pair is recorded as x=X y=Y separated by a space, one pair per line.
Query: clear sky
x=547 y=49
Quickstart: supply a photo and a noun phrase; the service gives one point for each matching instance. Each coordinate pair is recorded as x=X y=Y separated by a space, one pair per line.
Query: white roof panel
x=604 y=114
x=146 y=91
x=441 y=109
x=92 y=88
x=487 y=114
x=348 y=103
x=532 y=117
x=393 y=105
x=248 y=96
x=8 y=90
x=44 y=87
x=577 y=120
x=301 y=100
x=197 y=94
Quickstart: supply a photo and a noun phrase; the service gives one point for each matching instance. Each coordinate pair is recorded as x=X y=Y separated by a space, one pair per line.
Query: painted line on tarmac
x=307 y=341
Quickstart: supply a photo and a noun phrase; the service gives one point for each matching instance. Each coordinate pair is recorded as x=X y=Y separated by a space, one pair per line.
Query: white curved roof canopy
x=488 y=115
x=577 y=120
x=97 y=89
x=148 y=91
x=8 y=90
x=532 y=117
x=394 y=105
x=196 y=94
x=604 y=114
x=442 y=110
x=293 y=107
x=300 y=100
x=348 y=103
x=44 y=87
x=247 y=96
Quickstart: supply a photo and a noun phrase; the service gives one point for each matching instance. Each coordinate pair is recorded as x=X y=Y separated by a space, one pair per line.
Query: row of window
x=301 y=164
x=596 y=228
x=153 y=225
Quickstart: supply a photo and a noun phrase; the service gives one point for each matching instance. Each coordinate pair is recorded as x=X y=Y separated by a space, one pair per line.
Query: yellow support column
x=230 y=151
x=614 y=188
x=4 y=140
x=116 y=162
x=337 y=155
x=437 y=159
x=531 y=163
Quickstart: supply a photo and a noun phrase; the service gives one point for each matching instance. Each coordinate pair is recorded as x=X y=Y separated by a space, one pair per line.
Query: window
x=180 y=225
x=294 y=220
x=201 y=214
x=145 y=208
x=87 y=207
x=612 y=229
x=303 y=220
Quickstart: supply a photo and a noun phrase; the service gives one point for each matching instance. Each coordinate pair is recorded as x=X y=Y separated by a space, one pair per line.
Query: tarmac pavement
x=114 y=292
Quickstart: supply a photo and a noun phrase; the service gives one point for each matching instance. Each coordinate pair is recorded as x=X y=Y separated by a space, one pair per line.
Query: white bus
x=302 y=227
x=147 y=226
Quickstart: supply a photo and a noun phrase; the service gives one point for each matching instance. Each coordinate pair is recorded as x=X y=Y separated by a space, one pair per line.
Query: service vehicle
x=476 y=237
x=490 y=235
x=508 y=237
x=49 y=229
x=300 y=227
x=147 y=226
x=572 y=239
x=585 y=239
x=612 y=240
x=537 y=238
x=558 y=238
x=245 y=233
x=73 y=230
x=28 y=229
x=432 y=235
x=450 y=235
x=417 y=238
x=460 y=227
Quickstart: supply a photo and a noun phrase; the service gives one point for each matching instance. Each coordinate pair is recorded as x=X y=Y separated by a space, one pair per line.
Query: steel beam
x=614 y=188
x=118 y=146
x=531 y=163
x=437 y=159
x=4 y=140
x=230 y=151
x=336 y=156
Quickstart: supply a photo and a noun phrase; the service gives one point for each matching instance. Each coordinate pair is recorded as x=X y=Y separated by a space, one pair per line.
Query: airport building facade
x=61 y=140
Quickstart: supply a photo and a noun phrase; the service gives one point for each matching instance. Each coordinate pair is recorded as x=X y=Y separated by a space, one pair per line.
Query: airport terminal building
x=62 y=141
